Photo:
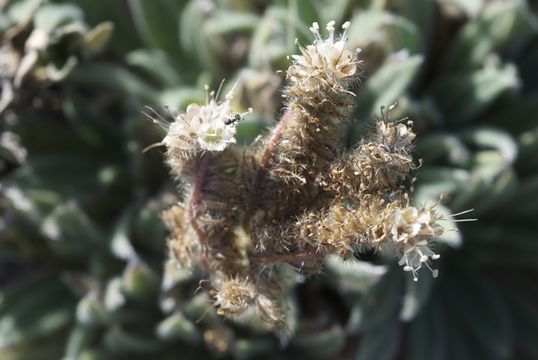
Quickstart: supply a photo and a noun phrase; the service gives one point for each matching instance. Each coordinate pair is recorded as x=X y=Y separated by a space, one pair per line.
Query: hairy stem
x=262 y=169
x=284 y=257
x=196 y=199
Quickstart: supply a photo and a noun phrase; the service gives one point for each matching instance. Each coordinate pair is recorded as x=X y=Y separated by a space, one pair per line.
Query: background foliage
x=82 y=246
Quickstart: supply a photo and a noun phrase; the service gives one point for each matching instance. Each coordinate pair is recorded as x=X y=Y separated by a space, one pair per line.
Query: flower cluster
x=413 y=229
x=324 y=59
x=250 y=215
x=210 y=127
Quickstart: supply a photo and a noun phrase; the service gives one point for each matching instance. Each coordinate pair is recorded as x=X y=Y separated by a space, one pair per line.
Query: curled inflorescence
x=250 y=214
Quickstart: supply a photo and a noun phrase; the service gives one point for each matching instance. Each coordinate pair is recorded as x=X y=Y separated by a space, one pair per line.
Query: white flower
x=209 y=127
x=414 y=228
x=408 y=225
x=415 y=255
x=324 y=58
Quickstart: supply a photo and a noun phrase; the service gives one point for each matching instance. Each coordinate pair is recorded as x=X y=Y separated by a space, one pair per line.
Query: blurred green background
x=83 y=271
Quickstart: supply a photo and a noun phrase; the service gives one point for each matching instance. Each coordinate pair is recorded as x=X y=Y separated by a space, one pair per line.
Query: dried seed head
x=183 y=250
x=269 y=312
x=234 y=296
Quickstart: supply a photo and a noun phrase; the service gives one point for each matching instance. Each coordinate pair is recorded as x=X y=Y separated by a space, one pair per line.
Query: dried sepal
x=233 y=296
x=380 y=164
x=181 y=245
x=269 y=312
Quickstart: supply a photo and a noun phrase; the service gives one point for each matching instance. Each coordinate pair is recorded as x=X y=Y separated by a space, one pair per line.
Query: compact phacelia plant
x=250 y=214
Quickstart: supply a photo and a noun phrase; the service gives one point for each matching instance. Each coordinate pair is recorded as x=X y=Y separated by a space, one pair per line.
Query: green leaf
x=140 y=282
x=97 y=38
x=428 y=336
x=384 y=88
x=495 y=194
x=195 y=42
x=383 y=301
x=523 y=306
x=435 y=180
x=113 y=297
x=59 y=73
x=329 y=10
x=20 y=12
x=71 y=232
x=124 y=37
x=91 y=311
x=309 y=11
x=225 y=22
x=463 y=97
x=155 y=63
x=120 y=340
x=480 y=309
x=420 y=12
x=470 y=8
x=148 y=229
x=178 y=327
x=354 y=275
x=156 y=22
x=485 y=137
x=504 y=26
x=508 y=245
x=437 y=147
x=252 y=348
x=384 y=29
x=515 y=113
x=321 y=344
x=528 y=145
x=181 y=97
x=79 y=341
x=42 y=309
x=52 y=16
x=120 y=242
x=113 y=78
x=381 y=342
x=523 y=201
x=80 y=177
x=389 y=82
x=270 y=47
x=416 y=295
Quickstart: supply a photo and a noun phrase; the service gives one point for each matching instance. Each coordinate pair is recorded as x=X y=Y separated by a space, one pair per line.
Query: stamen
x=152 y=146
x=464 y=220
x=174 y=113
x=435 y=272
x=330 y=29
x=463 y=212
x=220 y=88
x=315 y=30
x=157 y=119
x=345 y=26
